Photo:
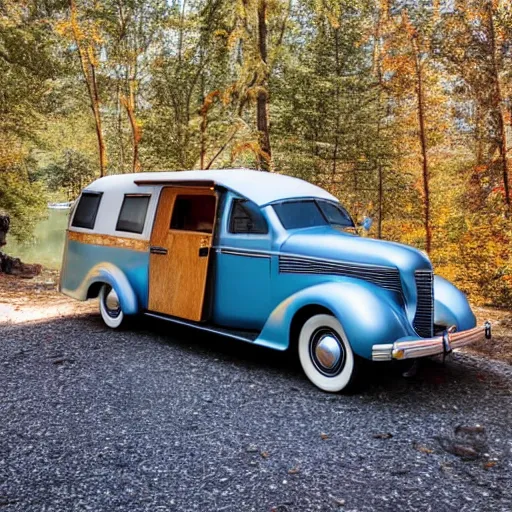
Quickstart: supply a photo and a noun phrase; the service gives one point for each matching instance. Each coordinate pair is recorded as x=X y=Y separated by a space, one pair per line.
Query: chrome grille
x=424 y=318
x=385 y=277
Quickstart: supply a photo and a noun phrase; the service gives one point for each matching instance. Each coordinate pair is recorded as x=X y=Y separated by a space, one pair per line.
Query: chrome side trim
x=432 y=346
x=290 y=254
x=242 y=252
x=201 y=327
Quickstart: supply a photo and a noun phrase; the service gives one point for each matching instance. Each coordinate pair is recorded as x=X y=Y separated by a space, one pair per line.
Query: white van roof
x=259 y=186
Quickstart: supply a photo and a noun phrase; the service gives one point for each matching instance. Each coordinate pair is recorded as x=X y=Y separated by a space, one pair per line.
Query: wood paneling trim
x=134 y=244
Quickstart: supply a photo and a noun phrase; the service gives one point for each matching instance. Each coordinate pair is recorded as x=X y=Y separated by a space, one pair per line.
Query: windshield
x=312 y=212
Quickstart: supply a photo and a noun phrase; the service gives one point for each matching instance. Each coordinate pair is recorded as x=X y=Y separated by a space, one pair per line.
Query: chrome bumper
x=423 y=347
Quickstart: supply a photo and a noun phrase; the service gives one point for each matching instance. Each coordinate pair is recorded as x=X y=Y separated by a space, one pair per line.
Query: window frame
x=128 y=196
x=231 y=228
x=94 y=217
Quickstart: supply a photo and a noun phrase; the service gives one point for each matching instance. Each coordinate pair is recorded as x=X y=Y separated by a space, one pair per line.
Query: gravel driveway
x=161 y=419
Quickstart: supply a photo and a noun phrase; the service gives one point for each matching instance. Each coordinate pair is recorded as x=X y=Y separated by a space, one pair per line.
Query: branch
x=222 y=148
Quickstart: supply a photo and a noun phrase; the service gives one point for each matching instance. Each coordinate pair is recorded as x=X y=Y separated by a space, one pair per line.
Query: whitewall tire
x=110 y=307
x=325 y=353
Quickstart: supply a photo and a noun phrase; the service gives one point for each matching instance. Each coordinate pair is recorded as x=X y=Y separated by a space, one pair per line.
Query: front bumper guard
x=424 y=347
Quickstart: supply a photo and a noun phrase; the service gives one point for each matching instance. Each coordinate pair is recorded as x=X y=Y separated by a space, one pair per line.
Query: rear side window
x=246 y=218
x=133 y=213
x=194 y=213
x=87 y=209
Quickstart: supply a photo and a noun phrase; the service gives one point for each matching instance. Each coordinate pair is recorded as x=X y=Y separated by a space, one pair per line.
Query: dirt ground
x=500 y=347
x=23 y=300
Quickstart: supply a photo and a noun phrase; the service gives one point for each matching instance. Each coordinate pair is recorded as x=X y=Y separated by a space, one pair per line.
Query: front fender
x=116 y=278
x=451 y=306
x=368 y=314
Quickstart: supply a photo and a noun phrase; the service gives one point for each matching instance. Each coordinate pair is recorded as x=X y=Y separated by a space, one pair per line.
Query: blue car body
x=384 y=294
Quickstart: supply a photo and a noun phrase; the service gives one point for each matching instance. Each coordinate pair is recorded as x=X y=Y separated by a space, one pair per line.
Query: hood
x=331 y=244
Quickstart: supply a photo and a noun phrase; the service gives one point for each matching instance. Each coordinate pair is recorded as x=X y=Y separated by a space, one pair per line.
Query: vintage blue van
x=262 y=258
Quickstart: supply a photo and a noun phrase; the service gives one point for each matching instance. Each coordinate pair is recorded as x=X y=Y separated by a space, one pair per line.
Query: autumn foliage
x=403 y=109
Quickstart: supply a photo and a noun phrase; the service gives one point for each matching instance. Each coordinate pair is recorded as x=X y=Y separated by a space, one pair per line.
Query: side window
x=246 y=217
x=87 y=209
x=133 y=213
x=194 y=213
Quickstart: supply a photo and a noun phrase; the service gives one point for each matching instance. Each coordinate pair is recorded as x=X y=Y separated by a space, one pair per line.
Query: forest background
x=402 y=109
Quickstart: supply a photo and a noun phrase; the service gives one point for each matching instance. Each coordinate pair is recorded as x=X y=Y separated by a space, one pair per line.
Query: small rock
x=252 y=448
x=469 y=442
x=399 y=472
x=340 y=502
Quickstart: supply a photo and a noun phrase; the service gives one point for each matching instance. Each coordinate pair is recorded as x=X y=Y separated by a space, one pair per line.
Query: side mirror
x=367 y=223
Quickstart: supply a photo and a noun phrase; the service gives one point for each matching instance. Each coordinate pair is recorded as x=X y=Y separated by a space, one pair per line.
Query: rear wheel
x=325 y=354
x=110 y=307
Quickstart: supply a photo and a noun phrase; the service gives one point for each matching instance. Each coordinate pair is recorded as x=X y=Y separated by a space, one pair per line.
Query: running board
x=247 y=336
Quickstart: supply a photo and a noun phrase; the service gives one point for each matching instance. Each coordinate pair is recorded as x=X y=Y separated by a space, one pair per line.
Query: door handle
x=203 y=252
x=158 y=250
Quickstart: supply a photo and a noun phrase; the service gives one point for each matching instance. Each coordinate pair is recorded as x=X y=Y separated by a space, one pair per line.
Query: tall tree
x=82 y=27
x=134 y=30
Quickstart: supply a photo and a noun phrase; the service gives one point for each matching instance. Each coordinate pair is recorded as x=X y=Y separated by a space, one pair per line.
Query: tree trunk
x=120 y=128
x=129 y=104
x=5 y=222
x=424 y=148
x=95 y=104
x=381 y=197
x=498 y=105
x=383 y=15
x=203 y=139
x=10 y=265
x=337 y=100
x=262 y=99
x=89 y=73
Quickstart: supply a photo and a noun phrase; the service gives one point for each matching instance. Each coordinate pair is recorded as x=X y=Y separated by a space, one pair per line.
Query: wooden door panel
x=177 y=280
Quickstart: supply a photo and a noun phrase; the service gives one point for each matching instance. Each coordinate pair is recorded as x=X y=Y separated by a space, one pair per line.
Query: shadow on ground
x=163 y=418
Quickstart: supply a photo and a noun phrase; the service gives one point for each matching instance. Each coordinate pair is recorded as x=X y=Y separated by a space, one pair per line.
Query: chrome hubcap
x=327 y=352
x=112 y=304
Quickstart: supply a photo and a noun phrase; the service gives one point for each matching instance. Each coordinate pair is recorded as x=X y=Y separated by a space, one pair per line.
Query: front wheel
x=110 y=307
x=325 y=354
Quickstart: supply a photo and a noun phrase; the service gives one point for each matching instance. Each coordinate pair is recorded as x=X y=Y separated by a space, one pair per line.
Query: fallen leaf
x=265 y=455
x=385 y=435
x=422 y=449
x=476 y=429
x=490 y=464
x=294 y=471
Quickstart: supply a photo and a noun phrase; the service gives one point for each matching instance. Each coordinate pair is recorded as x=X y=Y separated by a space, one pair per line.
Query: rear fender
x=109 y=274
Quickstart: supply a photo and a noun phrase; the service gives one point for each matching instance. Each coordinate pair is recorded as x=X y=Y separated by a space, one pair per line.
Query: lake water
x=48 y=243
